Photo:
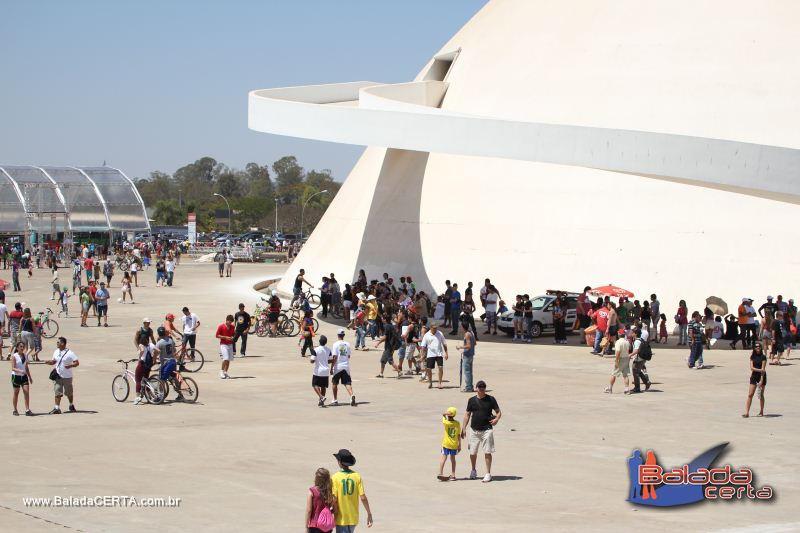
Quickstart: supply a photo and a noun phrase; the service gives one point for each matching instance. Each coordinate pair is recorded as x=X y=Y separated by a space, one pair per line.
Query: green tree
x=229 y=185
x=288 y=179
x=258 y=181
x=168 y=213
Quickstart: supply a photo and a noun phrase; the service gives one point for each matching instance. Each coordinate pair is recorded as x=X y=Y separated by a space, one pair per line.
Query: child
x=662 y=329
x=64 y=299
x=451 y=443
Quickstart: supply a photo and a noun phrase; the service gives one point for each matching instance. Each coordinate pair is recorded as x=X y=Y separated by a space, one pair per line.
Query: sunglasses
x=758 y=346
x=483 y=387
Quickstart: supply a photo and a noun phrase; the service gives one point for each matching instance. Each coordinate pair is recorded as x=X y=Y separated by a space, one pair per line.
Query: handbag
x=54 y=373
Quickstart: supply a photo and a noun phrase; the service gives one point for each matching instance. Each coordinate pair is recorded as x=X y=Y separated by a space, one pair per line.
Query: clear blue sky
x=154 y=84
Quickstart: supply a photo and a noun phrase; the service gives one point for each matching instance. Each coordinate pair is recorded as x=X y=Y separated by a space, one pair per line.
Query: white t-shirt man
x=750 y=310
x=189 y=323
x=342 y=351
x=322 y=367
x=435 y=344
x=3 y=315
x=491 y=302
x=63 y=358
x=170 y=265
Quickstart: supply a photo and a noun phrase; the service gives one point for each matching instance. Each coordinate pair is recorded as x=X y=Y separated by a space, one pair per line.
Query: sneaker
x=28 y=413
x=699 y=366
x=222 y=375
x=353 y=401
x=72 y=409
x=227 y=376
x=335 y=402
x=243 y=355
x=55 y=411
x=180 y=398
x=473 y=474
x=607 y=390
x=322 y=401
x=137 y=401
x=647 y=386
x=487 y=478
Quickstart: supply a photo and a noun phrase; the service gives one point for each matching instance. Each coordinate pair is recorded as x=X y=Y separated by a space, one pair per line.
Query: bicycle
x=186 y=387
x=189 y=360
x=152 y=390
x=290 y=325
x=313 y=300
x=49 y=325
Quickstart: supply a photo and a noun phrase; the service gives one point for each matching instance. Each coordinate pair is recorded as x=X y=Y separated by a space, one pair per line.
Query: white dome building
x=650 y=145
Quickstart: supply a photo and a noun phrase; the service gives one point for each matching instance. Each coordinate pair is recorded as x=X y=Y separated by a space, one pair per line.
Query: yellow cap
x=451 y=411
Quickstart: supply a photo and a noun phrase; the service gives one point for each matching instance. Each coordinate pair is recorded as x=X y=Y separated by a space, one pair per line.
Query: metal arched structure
x=69 y=199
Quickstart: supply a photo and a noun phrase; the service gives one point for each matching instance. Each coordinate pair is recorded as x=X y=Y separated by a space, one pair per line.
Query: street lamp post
x=229 y=210
x=303 y=211
x=276 y=216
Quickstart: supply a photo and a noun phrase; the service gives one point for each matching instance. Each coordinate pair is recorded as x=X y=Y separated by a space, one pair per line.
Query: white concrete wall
x=714 y=69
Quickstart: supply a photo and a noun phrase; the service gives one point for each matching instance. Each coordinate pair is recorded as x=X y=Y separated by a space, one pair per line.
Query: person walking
x=101 y=299
x=225 y=334
x=56 y=286
x=639 y=356
x=321 y=359
x=320 y=503
x=348 y=488
x=451 y=443
x=467 y=356
x=758 y=379
x=482 y=415
x=391 y=341
x=655 y=312
x=64 y=361
x=434 y=347
x=696 y=340
x=169 y=268
x=127 y=291
x=622 y=363
x=559 y=320
x=242 y=321
x=108 y=272
x=340 y=368
x=21 y=378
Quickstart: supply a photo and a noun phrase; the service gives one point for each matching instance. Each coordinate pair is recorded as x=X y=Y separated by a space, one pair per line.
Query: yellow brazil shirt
x=372 y=311
x=348 y=488
x=452 y=432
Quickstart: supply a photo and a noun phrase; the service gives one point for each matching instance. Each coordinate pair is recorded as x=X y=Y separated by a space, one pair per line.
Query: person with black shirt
x=144 y=335
x=482 y=415
x=391 y=342
x=768 y=309
x=298 y=285
x=780 y=338
x=758 y=379
x=732 y=329
x=527 y=307
x=241 y=321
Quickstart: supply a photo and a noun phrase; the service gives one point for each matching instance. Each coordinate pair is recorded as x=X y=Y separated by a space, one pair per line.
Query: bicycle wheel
x=314 y=301
x=49 y=329
x=262 y=328
x=192 y=361
x=189 y=390
x=120 y=388
x=285 y=328
x=316 y=325
x=153 y=390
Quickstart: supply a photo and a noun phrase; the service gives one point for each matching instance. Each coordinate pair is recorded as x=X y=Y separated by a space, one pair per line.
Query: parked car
x=542 y=314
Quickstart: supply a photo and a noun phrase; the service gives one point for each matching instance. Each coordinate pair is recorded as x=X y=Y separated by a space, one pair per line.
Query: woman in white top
x=21 y=378
x=126 y=287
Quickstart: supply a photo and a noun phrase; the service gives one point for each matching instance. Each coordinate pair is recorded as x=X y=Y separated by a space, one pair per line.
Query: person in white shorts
x=482 y=415
x=340 y=367
x=225 y=333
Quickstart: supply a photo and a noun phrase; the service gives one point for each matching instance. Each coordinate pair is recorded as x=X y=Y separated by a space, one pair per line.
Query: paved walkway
x=243 y=456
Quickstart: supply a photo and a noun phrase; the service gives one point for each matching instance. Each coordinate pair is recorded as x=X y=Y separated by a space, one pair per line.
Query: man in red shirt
x=225 y=333
x=88 y=266
x=601 y=318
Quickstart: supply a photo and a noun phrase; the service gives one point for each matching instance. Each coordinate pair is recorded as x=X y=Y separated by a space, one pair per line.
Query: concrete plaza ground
x=242 y=457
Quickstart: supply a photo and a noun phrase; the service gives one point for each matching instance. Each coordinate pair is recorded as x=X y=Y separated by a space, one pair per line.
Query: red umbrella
x=612 y=290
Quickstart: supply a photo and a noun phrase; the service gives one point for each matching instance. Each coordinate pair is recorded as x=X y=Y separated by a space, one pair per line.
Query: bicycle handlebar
x=126 y=362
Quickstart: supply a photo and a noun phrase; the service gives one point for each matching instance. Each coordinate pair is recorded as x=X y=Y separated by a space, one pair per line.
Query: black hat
x=345 y=457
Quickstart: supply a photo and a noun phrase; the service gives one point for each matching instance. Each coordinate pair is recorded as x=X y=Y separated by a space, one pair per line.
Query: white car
x=542 y=315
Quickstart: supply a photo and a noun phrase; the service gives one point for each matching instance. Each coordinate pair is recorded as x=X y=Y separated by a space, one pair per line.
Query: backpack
x=645 y=351
x=148 y=358
x=324 y=520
